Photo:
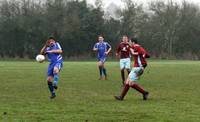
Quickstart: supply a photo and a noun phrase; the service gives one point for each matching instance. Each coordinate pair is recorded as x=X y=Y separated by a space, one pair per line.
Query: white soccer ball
x=40 y=58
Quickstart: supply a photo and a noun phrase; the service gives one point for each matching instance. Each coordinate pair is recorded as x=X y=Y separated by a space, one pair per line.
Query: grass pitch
x=174 y=88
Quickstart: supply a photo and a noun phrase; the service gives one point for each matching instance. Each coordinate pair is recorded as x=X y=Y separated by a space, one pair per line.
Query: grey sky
x=119 y=3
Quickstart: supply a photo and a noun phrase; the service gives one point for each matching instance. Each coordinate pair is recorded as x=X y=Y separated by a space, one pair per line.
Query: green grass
x=173 y=86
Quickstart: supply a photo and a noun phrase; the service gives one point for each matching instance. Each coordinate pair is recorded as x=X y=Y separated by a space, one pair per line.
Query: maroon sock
x=138 y=88
x=125 y=90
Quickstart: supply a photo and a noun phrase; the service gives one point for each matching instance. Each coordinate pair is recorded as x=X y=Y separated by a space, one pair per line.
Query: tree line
x=168 y=30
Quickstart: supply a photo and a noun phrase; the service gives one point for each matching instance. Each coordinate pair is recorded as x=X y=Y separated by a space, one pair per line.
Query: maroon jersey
x=124 y=50
x=140 y=59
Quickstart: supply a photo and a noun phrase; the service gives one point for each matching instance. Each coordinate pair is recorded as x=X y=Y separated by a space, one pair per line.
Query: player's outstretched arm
x=55 y=51
x=133 y=52
x=42 y=51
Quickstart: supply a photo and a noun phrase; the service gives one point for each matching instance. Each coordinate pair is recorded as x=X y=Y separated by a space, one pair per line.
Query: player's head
x=100 y=38
x=51 y=41
x=134 y=40
x=125 y=38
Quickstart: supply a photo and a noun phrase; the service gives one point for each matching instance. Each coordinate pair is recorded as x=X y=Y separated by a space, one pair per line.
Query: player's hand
x=117 y=55
x=95 y=49
x=106 y=53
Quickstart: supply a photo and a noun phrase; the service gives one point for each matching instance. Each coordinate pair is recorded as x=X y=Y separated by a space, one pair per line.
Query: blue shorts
x=135 y=73
x=59 y=65
x=102 y=59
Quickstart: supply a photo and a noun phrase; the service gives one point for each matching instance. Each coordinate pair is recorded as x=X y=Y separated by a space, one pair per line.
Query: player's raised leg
x=139 y=89
x=56 y=71
x=56 y=77
x=134 y=76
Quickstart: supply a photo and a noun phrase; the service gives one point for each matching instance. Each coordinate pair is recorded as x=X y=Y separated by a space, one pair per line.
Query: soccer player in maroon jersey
x=123 y=51
x=140 y=64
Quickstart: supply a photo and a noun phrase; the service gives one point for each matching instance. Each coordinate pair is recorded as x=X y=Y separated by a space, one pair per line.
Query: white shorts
x=135 y=73
x=125 y=63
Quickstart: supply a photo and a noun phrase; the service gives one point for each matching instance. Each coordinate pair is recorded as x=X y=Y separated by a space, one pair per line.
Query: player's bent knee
x=127 y=81
x=131 y=83
x=56 y=70
x=49 y=79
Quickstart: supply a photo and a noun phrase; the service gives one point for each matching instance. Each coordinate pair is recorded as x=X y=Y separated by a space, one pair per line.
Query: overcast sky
x=119 y=3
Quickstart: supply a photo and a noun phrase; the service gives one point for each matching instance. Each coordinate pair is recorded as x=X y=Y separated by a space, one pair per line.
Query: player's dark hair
x=125 y=36
x=100 y=35
x=135 y=40
x=51 y=37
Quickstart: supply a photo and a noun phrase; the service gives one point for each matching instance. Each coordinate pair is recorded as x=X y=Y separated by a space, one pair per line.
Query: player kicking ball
x=53 y=50
x=103 y=49
x=140 y=64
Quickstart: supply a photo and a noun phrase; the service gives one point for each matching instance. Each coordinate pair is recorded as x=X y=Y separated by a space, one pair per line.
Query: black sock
x=128 y=71
x=100 y=71
x=51 y=89
x=123 y=76
x=104 y=72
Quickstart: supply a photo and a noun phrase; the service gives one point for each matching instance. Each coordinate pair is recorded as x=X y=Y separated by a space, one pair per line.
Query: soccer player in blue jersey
x=53 y=50
x=103 y=49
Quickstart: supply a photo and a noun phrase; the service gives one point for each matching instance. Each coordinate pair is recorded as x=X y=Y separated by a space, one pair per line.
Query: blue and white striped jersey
x=102 y=48
x=54 y=57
